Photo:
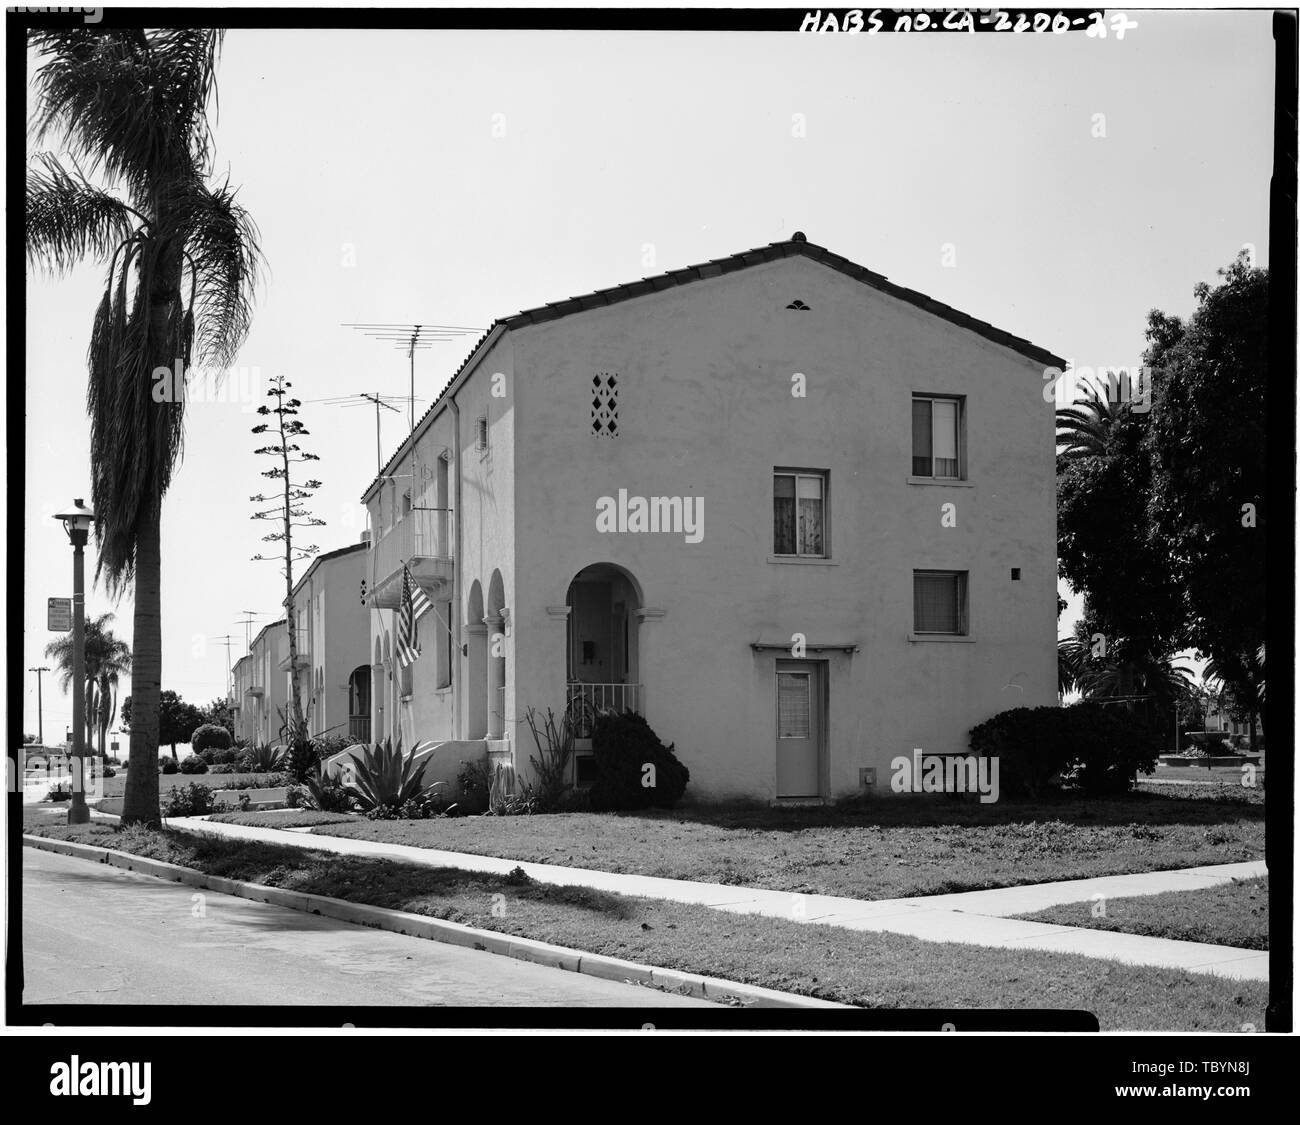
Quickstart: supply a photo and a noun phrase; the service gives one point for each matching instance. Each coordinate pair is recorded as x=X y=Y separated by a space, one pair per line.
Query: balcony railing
x=359 y=728
x=587 y=700
x=421 y=539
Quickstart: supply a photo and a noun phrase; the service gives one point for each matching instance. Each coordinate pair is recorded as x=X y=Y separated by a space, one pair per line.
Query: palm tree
x=1240 y=681
x=182 y=258
x=107 y=658
x=1085 y=428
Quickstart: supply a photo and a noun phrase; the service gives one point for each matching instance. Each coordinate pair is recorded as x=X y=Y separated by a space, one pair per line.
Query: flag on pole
x=414 y=602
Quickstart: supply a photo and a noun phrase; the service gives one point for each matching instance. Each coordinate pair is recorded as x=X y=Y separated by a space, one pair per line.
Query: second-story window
x=799 y=513
x=936 y=437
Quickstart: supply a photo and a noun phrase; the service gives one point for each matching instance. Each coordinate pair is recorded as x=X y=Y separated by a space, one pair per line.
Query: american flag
x=414 y=603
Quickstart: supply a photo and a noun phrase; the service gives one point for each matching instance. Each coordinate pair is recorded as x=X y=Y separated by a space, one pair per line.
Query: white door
x=799 y=723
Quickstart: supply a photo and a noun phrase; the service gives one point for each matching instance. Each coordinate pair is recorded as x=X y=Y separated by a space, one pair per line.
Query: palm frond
x=69 y=219
x=129 y=103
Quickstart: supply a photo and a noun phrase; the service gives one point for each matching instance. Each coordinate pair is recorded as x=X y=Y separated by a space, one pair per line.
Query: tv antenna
x=363 y=399
x=228 y=640
x=247 y=622
x=412 y=338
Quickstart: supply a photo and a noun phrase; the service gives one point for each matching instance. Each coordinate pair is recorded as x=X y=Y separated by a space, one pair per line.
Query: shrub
x=60 y=792
x=327 y=745
x=325 y=794
x=210 y=737
x=472 y=785
x=418 y=808
x=194 y=764
x=1094 y=748
x=624 y=746
x=167 y=765
x=224 y=767
x=574 y=800
x=189 y=800
x=262 y=759
x=554 y=752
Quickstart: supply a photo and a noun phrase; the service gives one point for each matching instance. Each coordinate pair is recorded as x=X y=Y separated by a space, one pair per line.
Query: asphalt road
x=96 y=934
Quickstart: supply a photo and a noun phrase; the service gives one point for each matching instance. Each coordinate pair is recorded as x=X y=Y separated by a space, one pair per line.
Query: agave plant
x=264 y=758
x=384 y=776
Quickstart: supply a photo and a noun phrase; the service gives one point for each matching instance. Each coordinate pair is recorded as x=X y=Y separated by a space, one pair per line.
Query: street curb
x=451 y=933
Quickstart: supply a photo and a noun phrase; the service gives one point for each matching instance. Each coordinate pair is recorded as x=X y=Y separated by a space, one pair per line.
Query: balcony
x=421 y=539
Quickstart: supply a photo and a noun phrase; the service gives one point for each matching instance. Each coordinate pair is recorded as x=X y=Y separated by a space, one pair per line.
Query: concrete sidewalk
x=969 y=918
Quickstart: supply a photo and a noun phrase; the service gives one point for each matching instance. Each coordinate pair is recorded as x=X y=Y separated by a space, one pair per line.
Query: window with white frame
x=939 y=602
x=799 y=513
x=936 y=437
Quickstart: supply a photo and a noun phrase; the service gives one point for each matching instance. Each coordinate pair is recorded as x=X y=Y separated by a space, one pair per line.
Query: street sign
x=59 y=615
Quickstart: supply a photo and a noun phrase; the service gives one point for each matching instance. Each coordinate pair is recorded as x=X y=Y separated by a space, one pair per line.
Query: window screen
x=939 y=601
x=792 y=705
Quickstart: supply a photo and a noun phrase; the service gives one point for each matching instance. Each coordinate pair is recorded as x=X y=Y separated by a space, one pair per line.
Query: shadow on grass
x=1184 y=806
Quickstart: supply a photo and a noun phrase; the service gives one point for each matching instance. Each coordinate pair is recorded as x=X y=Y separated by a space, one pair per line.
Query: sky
x=457 y=177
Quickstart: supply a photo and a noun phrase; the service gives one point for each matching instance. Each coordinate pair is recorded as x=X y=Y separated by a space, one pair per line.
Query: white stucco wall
x=706 y=410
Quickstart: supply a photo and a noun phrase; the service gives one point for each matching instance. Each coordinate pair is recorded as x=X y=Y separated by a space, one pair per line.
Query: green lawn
x=870 y=970
x=889 y=848
x=116 y=786
x=1234 y=914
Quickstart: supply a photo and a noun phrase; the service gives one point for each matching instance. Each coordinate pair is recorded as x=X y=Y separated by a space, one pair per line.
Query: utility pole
x=40 y=721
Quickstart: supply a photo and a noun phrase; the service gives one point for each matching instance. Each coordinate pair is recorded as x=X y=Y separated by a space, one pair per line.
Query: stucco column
x=648 y=644
x=378 y=703
x=496 y=675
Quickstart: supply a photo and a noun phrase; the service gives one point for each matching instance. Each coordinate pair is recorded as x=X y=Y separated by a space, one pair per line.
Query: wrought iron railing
x=586 y=701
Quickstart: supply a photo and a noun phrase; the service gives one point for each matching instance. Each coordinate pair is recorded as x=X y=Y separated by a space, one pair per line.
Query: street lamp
x=76 y=523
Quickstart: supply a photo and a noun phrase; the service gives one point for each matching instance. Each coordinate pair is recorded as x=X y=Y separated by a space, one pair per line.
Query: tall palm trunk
x=140 y=804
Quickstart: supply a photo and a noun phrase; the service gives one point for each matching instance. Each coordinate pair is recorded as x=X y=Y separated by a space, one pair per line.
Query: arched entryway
x=602 y=660
x=359 y=704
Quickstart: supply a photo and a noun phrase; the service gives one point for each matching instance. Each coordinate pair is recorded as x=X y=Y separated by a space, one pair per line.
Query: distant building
x=332 y=636
x=260 y=687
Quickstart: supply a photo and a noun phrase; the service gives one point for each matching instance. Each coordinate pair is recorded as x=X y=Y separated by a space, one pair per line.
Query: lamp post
x=40 y=720
x=76 y=523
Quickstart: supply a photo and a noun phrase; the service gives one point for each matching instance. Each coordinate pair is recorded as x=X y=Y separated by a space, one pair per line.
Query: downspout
x=458 y=710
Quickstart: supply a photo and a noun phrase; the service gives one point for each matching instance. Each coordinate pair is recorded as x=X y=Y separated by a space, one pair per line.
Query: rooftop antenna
x=248 y=626
x=228 y=640
x=361 y=399
x=412 y=338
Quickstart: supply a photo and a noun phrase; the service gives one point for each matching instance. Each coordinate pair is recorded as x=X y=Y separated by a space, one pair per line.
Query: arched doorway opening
x=359 y=705
x=602 y=660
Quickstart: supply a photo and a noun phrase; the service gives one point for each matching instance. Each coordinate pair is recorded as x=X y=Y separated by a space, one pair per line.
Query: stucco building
x=332 y=638
x=260 y=686
x=801 y=518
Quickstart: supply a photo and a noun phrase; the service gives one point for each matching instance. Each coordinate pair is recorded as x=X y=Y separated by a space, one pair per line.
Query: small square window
x=1015 y=574
x=939 y=602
